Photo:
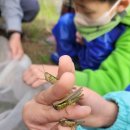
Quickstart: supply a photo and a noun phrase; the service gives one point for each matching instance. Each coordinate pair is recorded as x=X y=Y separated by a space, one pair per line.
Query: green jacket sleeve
x=114 y=73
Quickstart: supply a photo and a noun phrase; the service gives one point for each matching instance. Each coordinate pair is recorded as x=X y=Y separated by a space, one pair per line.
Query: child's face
x=92 y=8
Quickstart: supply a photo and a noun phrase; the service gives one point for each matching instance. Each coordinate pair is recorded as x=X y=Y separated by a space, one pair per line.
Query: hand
x=95 y=111
x=44 y=117
x=79 y=38
x=34 y=75
x=15 y=46
x=39 y=114
x=104 y=113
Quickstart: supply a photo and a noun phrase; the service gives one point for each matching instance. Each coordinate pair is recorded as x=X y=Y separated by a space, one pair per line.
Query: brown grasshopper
x=72 y=98
x=49 y=77
x=70 y=123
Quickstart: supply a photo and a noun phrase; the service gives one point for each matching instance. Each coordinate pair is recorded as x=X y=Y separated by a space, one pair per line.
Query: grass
x=42 y=25
x=35 y=44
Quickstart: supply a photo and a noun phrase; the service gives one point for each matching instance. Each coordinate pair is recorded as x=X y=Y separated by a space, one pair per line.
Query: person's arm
x=12 y=13
x=114 y=73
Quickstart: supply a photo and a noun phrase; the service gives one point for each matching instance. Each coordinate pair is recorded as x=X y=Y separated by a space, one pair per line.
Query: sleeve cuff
x=14 y=24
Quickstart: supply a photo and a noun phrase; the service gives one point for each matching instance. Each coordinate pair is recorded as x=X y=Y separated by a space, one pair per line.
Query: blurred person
x=14 y=12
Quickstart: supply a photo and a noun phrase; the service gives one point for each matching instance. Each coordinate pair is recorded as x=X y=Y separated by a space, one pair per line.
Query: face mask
x=83 y=20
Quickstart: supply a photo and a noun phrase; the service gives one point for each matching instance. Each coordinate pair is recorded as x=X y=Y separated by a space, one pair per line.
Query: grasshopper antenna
x=42 y=70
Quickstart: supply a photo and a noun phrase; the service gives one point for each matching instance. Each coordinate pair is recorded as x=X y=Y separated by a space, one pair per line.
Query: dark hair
x=110 y=1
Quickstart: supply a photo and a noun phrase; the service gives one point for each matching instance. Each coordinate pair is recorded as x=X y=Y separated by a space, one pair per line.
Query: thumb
x=65 y=65
x=58 y=91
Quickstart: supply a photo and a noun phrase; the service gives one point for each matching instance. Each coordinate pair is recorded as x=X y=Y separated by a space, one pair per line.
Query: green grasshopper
x=72 y=98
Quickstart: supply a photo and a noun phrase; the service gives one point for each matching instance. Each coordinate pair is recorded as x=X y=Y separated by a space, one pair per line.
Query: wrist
x=110 y=114
x=14 y=34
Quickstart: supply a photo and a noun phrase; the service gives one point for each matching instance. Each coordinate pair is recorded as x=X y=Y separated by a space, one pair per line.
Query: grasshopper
x=72 y=98
x=70 y=123
x=49 y=77
x=69 y=100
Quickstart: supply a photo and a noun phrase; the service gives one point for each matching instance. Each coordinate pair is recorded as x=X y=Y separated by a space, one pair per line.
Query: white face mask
x=83 y=20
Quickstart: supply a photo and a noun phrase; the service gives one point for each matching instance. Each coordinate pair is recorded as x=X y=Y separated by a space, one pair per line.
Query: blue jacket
x=123 y=119
x=91 y=54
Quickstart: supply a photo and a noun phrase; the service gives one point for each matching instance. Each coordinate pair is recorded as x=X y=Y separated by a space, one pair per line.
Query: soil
x=39 y=52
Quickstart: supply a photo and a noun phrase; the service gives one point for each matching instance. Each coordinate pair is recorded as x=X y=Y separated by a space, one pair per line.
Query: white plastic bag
x=14 y=93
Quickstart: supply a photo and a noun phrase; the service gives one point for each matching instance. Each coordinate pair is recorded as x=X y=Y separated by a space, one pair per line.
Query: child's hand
x=34 y=75
x=79 y=38
x=16 y=46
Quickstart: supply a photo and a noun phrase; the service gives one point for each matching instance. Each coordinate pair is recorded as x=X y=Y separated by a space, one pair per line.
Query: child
x=100 y=31
x=104 y=50
x=105 y=53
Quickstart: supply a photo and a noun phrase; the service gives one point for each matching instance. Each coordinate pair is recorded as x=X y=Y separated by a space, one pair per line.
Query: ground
x=36 y=33
x=38 y=52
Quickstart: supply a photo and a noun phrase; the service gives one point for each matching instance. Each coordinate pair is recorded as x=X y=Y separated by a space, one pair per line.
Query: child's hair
x=110 y=1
